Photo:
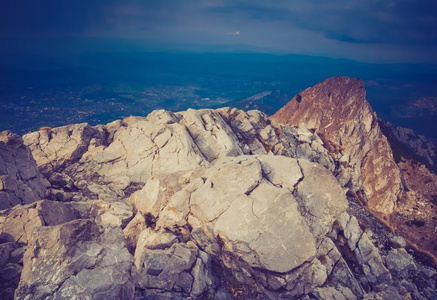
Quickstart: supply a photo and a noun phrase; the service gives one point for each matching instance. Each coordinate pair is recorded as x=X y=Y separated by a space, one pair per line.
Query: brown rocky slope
x=399 y=191
x=338 y=110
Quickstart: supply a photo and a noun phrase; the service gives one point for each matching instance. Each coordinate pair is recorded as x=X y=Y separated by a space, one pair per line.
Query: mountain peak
x=325 y=104
x=337 y=108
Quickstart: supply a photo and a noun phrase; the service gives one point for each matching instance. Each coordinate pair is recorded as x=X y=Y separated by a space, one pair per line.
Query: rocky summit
x=208 y=204
x=398 y=188
x=337 y=108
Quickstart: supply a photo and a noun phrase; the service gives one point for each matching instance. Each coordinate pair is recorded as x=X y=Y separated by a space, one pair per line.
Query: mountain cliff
x=338 y=110
x=206 y=204
x=398 y=188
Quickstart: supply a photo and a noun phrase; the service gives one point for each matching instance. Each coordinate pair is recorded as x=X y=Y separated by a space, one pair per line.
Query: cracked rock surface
x=76 y=259
x=201 y=204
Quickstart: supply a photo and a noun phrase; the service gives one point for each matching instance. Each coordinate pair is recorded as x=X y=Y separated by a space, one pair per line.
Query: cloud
x=45 y=17
x=401 y=21
x=402 y=25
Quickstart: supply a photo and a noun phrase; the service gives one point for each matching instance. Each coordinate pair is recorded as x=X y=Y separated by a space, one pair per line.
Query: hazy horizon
x=94 y=61
x=54 y=89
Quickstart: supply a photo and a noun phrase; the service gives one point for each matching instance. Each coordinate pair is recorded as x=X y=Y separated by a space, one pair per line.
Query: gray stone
x=371 y=261
x=306 y=278
x=321 y=196
x=76 y=259
x=383 y=292
x=19 y=222
x=117 y=214
x=56 y=148
x=212 y=135
x=399 y=262
x=329 y=293
x=184 y=283
x=198 y=215
x=200 y=286
x=281 y=171
x=352 y=232
x=239 y=203
x=222 y=294
x=133 y=230
x=160 y=269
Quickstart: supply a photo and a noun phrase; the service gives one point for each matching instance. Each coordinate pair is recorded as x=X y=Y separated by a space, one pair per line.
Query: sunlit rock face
x=201 y=204
x=337 y=108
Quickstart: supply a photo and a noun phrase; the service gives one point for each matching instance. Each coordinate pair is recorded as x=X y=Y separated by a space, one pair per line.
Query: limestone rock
x=399 y=262
x=59 y=147
x=322 y=200
x=76 y=259
x=111 y=162
x=385 y=293
x=89 y=160
x=158 y=190
x=373 y=267
x=253 y=215
x=180 y=269
x=306 y=277
x=117 y=213
x=133 y=230
x=18 y=223
x=212 y=135
x=281 y=171
x=20 y=181
x=330 y=293
x=10 y=268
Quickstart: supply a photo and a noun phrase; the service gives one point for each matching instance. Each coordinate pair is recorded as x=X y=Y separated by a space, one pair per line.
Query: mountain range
x=322 y=200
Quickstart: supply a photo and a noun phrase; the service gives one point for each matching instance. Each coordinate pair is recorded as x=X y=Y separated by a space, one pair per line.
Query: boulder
x=399 y=262
x=180 y=268
x=10 y=268
x=56 y=148
x=212 y=135
x=254 y=214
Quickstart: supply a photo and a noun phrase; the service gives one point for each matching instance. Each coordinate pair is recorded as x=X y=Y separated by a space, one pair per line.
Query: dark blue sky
x=370 y=30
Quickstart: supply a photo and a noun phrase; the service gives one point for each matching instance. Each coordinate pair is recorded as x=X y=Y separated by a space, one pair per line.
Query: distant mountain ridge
x=411 y=145
x=425 y=106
